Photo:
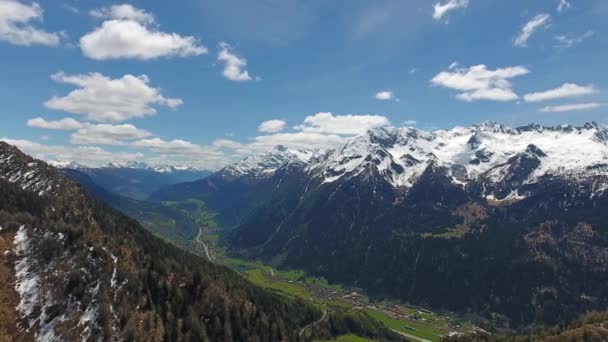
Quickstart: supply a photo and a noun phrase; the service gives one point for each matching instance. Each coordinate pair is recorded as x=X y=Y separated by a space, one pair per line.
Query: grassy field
x=420 y=330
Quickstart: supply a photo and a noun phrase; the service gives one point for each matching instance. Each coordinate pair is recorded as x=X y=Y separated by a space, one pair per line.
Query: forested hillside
x=83 y=271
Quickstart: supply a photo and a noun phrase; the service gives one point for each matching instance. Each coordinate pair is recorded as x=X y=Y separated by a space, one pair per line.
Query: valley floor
x=416 y=324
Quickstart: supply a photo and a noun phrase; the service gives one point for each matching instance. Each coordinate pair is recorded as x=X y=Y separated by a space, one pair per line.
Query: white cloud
x=566 y=90
x=233 y=64
x=105 y=134
x=480 y=83
x=272 y=126
x=563 y=5
x=100 y=98
x=453 y=65
x=328 y=123
x=16 y=27
x=175 y=147
x=66 y=124
x=123 y=12
x=409 y=122
x=565 y=42
x=227 y=143
x=127 y=34
x=570 y=107
x=297 y=140
x=538 y=22
x=93 y=156
x=385 y=95
x=442 y=9
x=177 y=150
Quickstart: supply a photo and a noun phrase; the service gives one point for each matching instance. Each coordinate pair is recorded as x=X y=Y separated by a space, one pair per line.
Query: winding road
x=314 y=323
x=208 y=253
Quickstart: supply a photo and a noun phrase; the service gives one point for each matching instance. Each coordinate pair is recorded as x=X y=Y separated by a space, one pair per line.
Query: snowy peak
x=265 y=164
x=160 y=168
x=128 y=165
x=489 y=150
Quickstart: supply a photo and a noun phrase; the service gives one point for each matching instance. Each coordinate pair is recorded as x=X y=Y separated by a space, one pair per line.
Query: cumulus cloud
x=570 y=107
x=566 y=42
x=101 y=98
x=296 y=140
x=442 y=9
x=234 y=66
x=127 y=33
x=16 y=25
x=93 y=156
x=227 y=143
x=480 y=83
x=563 y=5
x=566 y=90
x=105 y=134
x=538 y=22
x=328 y=123
x=385 y=95
x=123 y=12
x=66 y=124
x=176 y=146
x=205 y=156
x=272 y=126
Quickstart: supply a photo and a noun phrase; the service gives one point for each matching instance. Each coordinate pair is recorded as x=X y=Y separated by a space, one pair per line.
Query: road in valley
x=208 y=252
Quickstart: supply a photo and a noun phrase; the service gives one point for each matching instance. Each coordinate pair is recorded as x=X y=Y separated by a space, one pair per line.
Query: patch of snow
x=27 y=281
x=513 y=196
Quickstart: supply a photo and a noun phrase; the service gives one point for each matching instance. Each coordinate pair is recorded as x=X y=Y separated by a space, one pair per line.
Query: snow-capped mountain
x=160 y=168
x=60 y=164
x=266 y=164
x=485 y=152
x=420 y=214
x=491 y=156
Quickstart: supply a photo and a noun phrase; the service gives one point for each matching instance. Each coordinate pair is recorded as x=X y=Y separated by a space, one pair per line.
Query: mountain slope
x=167 y=221
x=238 y=189
x=506 y=222
x=85 y=272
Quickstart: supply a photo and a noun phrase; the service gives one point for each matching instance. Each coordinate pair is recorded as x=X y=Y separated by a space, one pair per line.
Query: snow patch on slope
x=30 y=177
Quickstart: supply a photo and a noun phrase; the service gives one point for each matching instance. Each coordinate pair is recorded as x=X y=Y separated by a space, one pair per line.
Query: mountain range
x=72 y=268
x=503 y=222
x=136 y=180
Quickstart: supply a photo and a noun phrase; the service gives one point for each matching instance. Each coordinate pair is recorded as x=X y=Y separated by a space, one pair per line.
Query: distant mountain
x=237 y=189
x=505 y=222
x=135 y=179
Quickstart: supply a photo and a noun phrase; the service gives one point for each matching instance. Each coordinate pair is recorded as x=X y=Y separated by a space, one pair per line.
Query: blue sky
x=319 y=71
